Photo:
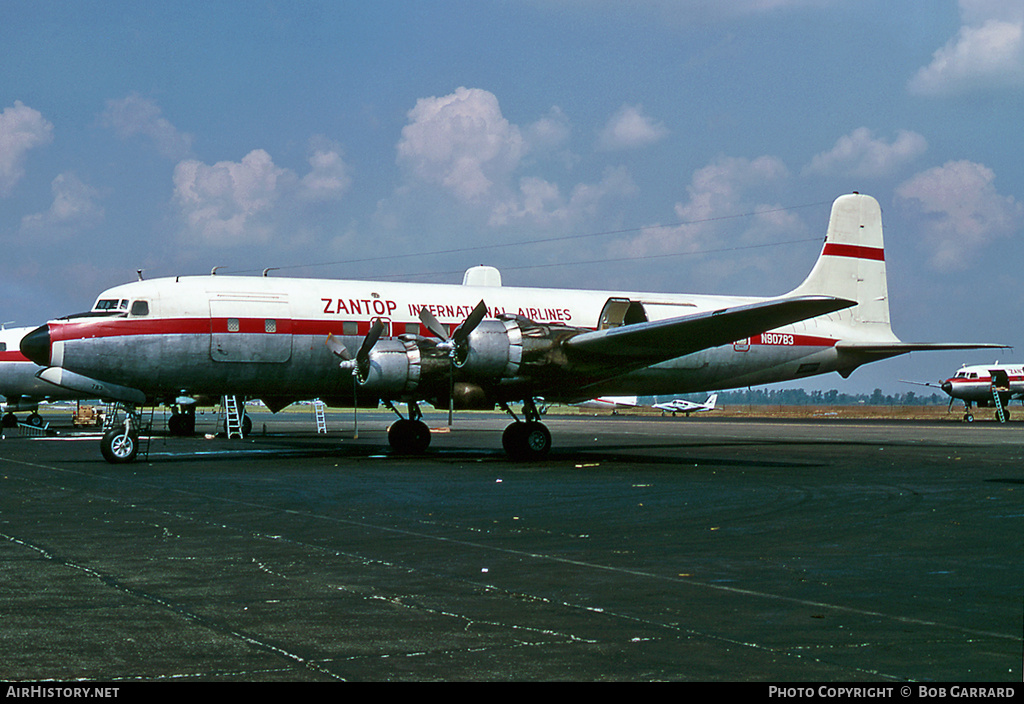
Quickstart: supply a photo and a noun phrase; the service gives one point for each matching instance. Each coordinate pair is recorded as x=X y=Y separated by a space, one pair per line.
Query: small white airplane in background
x=608 y=403
x=986 y=385
x=20 y=389
x=280 y=340
x=680 y=405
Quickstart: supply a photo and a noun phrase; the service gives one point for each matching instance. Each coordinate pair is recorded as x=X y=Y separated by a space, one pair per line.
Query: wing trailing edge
x=660 y=340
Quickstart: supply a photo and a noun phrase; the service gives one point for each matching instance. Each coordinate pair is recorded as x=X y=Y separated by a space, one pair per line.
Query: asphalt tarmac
x=643 y=549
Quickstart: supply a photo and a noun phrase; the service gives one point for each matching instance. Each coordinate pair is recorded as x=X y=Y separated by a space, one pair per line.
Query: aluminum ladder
x=321 y=418
x=233 y=417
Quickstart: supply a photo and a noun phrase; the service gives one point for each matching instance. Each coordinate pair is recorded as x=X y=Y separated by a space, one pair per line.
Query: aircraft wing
x=653 y=342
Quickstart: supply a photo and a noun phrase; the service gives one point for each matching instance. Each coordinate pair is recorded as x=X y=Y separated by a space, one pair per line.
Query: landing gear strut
x=529 y=439
x=120 y=444
x=408 y=436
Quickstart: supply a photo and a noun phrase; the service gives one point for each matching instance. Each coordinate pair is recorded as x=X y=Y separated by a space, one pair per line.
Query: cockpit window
x=140 y=307
x=111 y=304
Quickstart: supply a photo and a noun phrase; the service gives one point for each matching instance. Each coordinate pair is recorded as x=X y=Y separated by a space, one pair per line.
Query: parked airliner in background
x=681 y=405
x=20 y=390
x=986 y=385
x=151 y=341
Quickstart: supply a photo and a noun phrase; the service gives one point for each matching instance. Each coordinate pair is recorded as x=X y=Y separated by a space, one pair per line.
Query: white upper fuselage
x=265 y=336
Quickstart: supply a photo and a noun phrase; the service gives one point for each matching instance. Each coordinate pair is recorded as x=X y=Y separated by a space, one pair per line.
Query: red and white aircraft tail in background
x=986 y=385
x=151 y=341
x=609 y=403
x=20 y=389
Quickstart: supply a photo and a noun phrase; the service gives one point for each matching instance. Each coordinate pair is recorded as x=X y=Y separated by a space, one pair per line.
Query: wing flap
x=652 y=342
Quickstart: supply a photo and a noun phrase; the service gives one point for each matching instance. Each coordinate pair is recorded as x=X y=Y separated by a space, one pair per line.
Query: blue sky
x=664 y=145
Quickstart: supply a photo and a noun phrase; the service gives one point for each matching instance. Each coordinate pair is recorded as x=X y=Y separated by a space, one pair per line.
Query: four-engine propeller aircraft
x=986 y=385
x=19 y=387
x=681 y=405
x=155 y=340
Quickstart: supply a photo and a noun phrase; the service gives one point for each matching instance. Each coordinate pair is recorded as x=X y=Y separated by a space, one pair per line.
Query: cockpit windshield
x=109 y=305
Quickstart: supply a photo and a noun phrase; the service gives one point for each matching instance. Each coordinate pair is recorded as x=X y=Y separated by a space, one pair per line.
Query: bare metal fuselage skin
x=265 y=337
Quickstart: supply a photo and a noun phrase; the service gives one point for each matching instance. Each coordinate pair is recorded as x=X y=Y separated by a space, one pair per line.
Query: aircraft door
x=1000 y=379
x=621 y=311
x=250 y=330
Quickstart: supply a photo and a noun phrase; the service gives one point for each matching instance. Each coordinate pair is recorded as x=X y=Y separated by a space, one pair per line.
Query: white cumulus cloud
x=724 y=187
x=74 y=207
x=987 y=52
x=462 y=142
x=249 y=201
x=962 y=212
x=861 y=154
x=630 y=128
x=136 y=115
x=464 y=145
x=21 y=129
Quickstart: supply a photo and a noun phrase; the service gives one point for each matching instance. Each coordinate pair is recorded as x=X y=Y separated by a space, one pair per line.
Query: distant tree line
x=800 y=397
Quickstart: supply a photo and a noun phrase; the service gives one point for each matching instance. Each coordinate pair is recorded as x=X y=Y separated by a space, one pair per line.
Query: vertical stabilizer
x=852 y=266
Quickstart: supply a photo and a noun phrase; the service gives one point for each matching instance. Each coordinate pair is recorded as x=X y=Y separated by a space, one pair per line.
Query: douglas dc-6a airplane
x=280 y=339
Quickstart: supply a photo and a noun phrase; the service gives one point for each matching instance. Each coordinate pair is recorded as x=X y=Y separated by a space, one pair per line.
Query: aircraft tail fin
x=852 y=266
x=710 y=403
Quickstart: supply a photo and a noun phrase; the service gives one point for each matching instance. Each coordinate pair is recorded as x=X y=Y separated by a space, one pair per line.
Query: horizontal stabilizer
x=864 y=352
x=656 y=341
x=854 y=354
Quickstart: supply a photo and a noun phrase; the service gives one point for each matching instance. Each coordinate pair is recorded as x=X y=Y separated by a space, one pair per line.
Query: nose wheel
x=120 y=445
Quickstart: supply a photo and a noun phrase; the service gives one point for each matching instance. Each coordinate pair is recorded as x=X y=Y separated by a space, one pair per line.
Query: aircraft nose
x=946 y=386
x=36 y=345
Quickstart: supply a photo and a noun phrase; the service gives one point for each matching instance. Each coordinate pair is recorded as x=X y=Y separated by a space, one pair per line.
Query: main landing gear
x=529 y=439
x=524 y=440
x=408 y=436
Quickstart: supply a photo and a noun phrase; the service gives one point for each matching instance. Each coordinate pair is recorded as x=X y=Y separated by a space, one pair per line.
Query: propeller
x=358 y=365
x=455 y=344
x=459 y=337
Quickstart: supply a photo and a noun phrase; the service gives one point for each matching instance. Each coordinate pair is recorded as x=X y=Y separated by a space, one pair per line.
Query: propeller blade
x=463 y=332
x=370 y=340
x=432 y=324
x=334 y=345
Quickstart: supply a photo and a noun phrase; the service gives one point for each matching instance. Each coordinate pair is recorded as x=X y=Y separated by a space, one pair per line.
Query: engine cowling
x=494 y=350
x=398 y=366
x=506 y=348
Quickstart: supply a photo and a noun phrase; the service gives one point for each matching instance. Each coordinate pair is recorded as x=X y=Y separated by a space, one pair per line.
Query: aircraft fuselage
x=264 y=337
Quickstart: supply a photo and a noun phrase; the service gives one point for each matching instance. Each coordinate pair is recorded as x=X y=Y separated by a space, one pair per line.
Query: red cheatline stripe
x=854 y=250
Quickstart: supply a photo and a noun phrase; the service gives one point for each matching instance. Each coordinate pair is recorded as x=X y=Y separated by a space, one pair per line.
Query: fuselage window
x=233 y=325
x=270 y=325
x=3 y=346
x=350 y=328
x=140 y=308
x=412 y=328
